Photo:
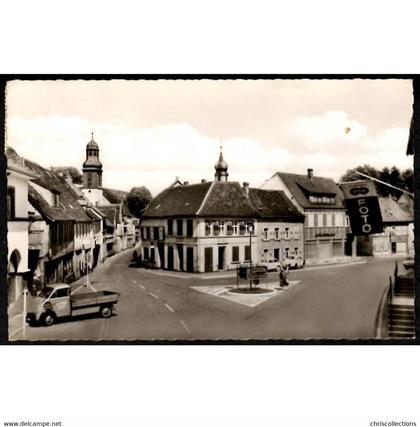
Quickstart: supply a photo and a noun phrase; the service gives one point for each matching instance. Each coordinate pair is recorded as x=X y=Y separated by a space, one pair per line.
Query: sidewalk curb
x=380 y=314
x=232 y=273
x=335 y=264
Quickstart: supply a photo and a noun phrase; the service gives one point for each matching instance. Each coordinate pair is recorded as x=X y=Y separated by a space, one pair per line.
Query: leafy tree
x=137 y=200
x=73 y=172
x=393 y=176
x=408 y=178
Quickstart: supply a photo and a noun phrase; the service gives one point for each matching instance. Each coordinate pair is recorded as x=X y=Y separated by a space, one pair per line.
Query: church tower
x=92 y=167
x=92 y=174
x=221 y=167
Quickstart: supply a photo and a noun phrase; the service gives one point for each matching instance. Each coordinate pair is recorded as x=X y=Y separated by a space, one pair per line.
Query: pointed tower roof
x=221 y=166
x=92 y=143
x=92 y=156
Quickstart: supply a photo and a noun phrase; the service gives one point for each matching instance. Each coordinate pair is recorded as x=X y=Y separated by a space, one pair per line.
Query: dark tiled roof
x=177 y=201
x=92 y=215
x=228 y=200
x=112 y=213
x=274 y=205
x=301 y=186
x=69 y=207
x=210 y=199
x=407 y=204
x=392 y=212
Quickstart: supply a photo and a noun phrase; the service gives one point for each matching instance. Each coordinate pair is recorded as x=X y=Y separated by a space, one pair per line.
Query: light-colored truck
x=57 y=301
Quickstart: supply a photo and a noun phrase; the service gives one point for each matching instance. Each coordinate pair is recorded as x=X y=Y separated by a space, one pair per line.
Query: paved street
x=326 y=302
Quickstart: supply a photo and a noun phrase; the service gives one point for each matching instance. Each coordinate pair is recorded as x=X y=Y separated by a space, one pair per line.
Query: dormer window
x=324 y=200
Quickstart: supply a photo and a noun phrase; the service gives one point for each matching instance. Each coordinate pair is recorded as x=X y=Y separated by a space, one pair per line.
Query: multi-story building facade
x=398 y=235
x=280 y=226
x=18 y=177
x=197 y=228
x=211 y=226
x=321 y=201
x=61 y=232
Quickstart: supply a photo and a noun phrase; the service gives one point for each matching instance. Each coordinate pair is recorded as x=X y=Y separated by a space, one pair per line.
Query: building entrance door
x=221 y=258
x=161 y=251
x=208 y=260
x=190 y=260
x=181 y=257
x=324 y=250
x=393 y=247
x=170 y=257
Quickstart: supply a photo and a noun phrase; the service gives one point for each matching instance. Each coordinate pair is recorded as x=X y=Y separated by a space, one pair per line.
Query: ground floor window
x=146 y=253
x=247 y=253
x=265 y=254
x=235 y=253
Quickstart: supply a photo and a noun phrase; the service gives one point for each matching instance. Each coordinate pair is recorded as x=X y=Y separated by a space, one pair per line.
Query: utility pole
x=25 y=292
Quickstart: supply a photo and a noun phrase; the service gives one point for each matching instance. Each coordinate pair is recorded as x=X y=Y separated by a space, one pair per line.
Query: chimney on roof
x=186 y=182
x=310 y=173
x=203 y=181
x=245 y=186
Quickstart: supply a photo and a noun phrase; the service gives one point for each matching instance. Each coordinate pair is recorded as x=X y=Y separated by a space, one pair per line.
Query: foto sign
x=363 y=208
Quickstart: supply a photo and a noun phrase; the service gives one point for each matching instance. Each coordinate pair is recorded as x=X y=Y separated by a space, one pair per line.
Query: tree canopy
x=394 y=176
x=137 y=200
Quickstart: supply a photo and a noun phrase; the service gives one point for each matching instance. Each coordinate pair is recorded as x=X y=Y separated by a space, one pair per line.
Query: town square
x=243 y=249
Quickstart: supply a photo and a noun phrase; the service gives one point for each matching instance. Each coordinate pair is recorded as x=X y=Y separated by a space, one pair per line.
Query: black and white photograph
x=209 y=214
x=210 y=209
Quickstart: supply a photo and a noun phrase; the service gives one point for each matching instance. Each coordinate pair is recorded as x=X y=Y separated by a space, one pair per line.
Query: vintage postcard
x=210 y=209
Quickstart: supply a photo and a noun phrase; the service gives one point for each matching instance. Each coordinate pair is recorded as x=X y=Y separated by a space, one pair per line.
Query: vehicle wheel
x=49 y=318
x=106 y=312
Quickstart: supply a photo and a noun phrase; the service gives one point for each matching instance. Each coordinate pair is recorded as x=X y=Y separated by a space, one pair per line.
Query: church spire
x=92 y=167
x=221 y=166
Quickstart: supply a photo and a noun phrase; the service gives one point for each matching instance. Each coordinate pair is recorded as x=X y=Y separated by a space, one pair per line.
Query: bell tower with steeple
x=92 y=167
x=221 y=167
x=92 y=174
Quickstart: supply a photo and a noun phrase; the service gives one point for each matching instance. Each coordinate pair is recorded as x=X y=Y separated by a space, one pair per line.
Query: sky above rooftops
x=149 y=132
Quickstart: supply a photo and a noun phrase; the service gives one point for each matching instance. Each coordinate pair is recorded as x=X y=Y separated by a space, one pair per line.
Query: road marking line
x=169 y=307
x=142 y=287
x=153 y=295
x=185 y=326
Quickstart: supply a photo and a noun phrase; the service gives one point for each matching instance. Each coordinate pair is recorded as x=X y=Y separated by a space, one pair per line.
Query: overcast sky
x=149 y=132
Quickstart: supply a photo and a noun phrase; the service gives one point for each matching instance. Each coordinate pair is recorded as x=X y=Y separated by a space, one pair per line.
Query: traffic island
x=246 y=296
x=253 y=291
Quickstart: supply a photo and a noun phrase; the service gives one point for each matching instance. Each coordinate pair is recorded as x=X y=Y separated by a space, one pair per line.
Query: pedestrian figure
x=283 y=272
